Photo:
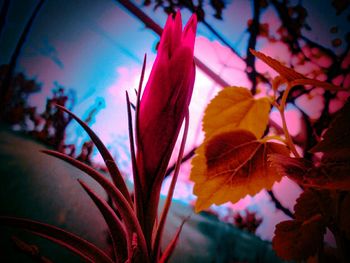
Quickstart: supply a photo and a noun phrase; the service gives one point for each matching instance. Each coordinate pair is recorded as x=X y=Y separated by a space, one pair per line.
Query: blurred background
x=85 y=54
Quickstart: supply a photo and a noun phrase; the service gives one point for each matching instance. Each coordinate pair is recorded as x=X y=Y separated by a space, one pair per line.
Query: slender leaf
x=171 y=246
x=79 y=246
x=106 y=155
x=159 y=233
x=128 y=215
x=115 y=226
x=137 y=183
x=138 y=101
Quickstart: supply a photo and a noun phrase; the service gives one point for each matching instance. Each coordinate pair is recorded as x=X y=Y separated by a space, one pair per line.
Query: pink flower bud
x=164 y=104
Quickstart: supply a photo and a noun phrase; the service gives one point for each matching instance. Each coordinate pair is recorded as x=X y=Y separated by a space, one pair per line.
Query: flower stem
x=157 y=239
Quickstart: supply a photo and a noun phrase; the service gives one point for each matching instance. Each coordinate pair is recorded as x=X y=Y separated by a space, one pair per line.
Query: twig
x=250 y=60
x=279 y=206
x=3 y=14
x=157 y=29
x=184 y=159
x=5 y=87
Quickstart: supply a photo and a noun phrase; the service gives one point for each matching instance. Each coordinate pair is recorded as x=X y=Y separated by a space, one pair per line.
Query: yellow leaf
x=291 y=75
x=231 y=165
x=235 y=107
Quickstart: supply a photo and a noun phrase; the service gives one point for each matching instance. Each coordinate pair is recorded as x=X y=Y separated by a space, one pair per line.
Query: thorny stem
x=281 y=107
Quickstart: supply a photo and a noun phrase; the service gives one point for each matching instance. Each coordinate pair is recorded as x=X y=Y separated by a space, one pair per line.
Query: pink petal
x=189 y=34
x=165 y=40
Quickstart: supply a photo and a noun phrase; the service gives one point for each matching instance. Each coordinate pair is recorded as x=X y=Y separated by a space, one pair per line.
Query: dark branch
x=5 y=87
x=184 y=159
x=279 y=206
x=3 y=14
x=253 y=29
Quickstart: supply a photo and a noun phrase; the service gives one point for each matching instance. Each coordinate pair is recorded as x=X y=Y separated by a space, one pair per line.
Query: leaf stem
x=273 y=137
x=281 y=109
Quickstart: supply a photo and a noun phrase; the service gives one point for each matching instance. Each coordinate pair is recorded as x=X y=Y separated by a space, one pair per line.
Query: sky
x=96 y=48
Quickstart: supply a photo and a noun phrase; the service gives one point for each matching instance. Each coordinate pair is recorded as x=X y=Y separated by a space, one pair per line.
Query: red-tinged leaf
x=138 y=200
x=231 y=165
x=344 y=215
x=236 y=108
x=329 y=175
x=336 y=140
x=26 y=248
x=137 y=130
x=298 y=240
x=116 y=228
x=285 y=72
x=161 y=225
x=317 y=83
x=291 y=75
x=79 y=246
x=126 y=211
x=172 y=245
x=312 y=202
x=294 y=168
x=106 y=155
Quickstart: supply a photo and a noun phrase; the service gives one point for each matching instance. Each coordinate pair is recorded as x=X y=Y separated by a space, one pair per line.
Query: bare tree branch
x=5 y=87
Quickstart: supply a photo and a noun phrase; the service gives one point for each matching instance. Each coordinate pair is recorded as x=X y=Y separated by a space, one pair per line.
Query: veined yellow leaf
x=295 y=78
x=231 y=165
x=235 y=107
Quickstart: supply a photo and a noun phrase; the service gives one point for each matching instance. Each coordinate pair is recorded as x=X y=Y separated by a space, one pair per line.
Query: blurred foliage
x=170 y=6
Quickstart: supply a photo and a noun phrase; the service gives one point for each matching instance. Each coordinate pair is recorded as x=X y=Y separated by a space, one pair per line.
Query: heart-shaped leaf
x=298 y=240
x=231 y=165
x=235 y=107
